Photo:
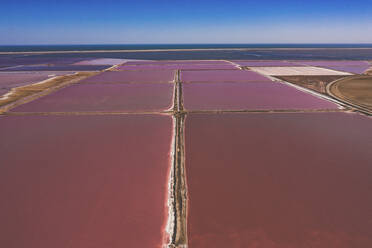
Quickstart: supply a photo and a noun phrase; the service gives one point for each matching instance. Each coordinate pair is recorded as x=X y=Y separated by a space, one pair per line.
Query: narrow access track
x=179 y=191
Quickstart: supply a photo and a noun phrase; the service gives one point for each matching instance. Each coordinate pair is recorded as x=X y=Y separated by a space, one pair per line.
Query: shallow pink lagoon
x=357 y=67
x=104 y=97
x=249 y=96
x=325 y=63
x=88 y=166
x=352 y=69
x=187 y=66
x=84 y=181
x=275 y=180
x=159 y=76
x=221 y=76
x=59 y=67
x=177 y=62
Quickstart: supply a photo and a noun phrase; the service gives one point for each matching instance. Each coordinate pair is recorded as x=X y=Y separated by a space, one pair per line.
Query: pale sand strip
x=185 y=50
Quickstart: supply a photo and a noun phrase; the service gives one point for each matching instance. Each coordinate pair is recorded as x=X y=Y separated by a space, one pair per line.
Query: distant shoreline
x=182 y=50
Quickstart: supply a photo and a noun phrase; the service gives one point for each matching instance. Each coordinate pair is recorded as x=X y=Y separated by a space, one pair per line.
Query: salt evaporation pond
x=84 y=181
x=249 y=96
x=159 y=76
x=221 y=76
x=104 y=97
x=179 y=67
x=58 y=68
x=279 y=180
x=178 y=62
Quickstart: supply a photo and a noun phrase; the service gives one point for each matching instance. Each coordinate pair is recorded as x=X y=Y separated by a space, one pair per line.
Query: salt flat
x=297 y=71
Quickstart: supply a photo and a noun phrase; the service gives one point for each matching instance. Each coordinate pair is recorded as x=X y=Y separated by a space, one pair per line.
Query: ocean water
x=228 y=51
x=29 y=48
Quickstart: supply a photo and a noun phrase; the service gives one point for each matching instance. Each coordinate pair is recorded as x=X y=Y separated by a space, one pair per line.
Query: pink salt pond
x=104 y=97
x=61 y=67
x=189 y=66
x=275 y=180
x=177 y=62
x=249 y=96
x=160 y=76
x=352 y=69
x=357 y=67
x=265 y=63
x=3 y=91
x=326 y=63
x=84 y=181
x=221 y=76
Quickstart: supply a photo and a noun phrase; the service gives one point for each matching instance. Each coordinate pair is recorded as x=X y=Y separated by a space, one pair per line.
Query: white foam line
x=172 y=106
x=169 y=228
x=7 y=95
x=10 y=67
x=234 y=64
x=113 y=67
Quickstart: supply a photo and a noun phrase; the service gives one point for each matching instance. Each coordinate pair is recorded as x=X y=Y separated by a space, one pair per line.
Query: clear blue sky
x=187 y=21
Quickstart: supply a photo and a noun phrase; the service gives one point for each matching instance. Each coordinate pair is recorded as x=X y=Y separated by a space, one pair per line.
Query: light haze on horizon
x=152 y=22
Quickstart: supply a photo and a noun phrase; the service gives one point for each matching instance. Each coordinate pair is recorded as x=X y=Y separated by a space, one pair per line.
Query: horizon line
x=261 y=43
x=175 y=50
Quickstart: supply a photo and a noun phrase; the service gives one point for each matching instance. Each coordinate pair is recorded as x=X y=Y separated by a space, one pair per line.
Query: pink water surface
x=226 y=66
x=249 y=96
x=3 y=91
x=9 y=80
x=60 y=67
x=104 y=97
x=295 y=180
x=326 y=63
x=221 y=76
x=352 y=69
x=177 y=62
x=84 y=181
x=132 y=76
x=265 y=63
